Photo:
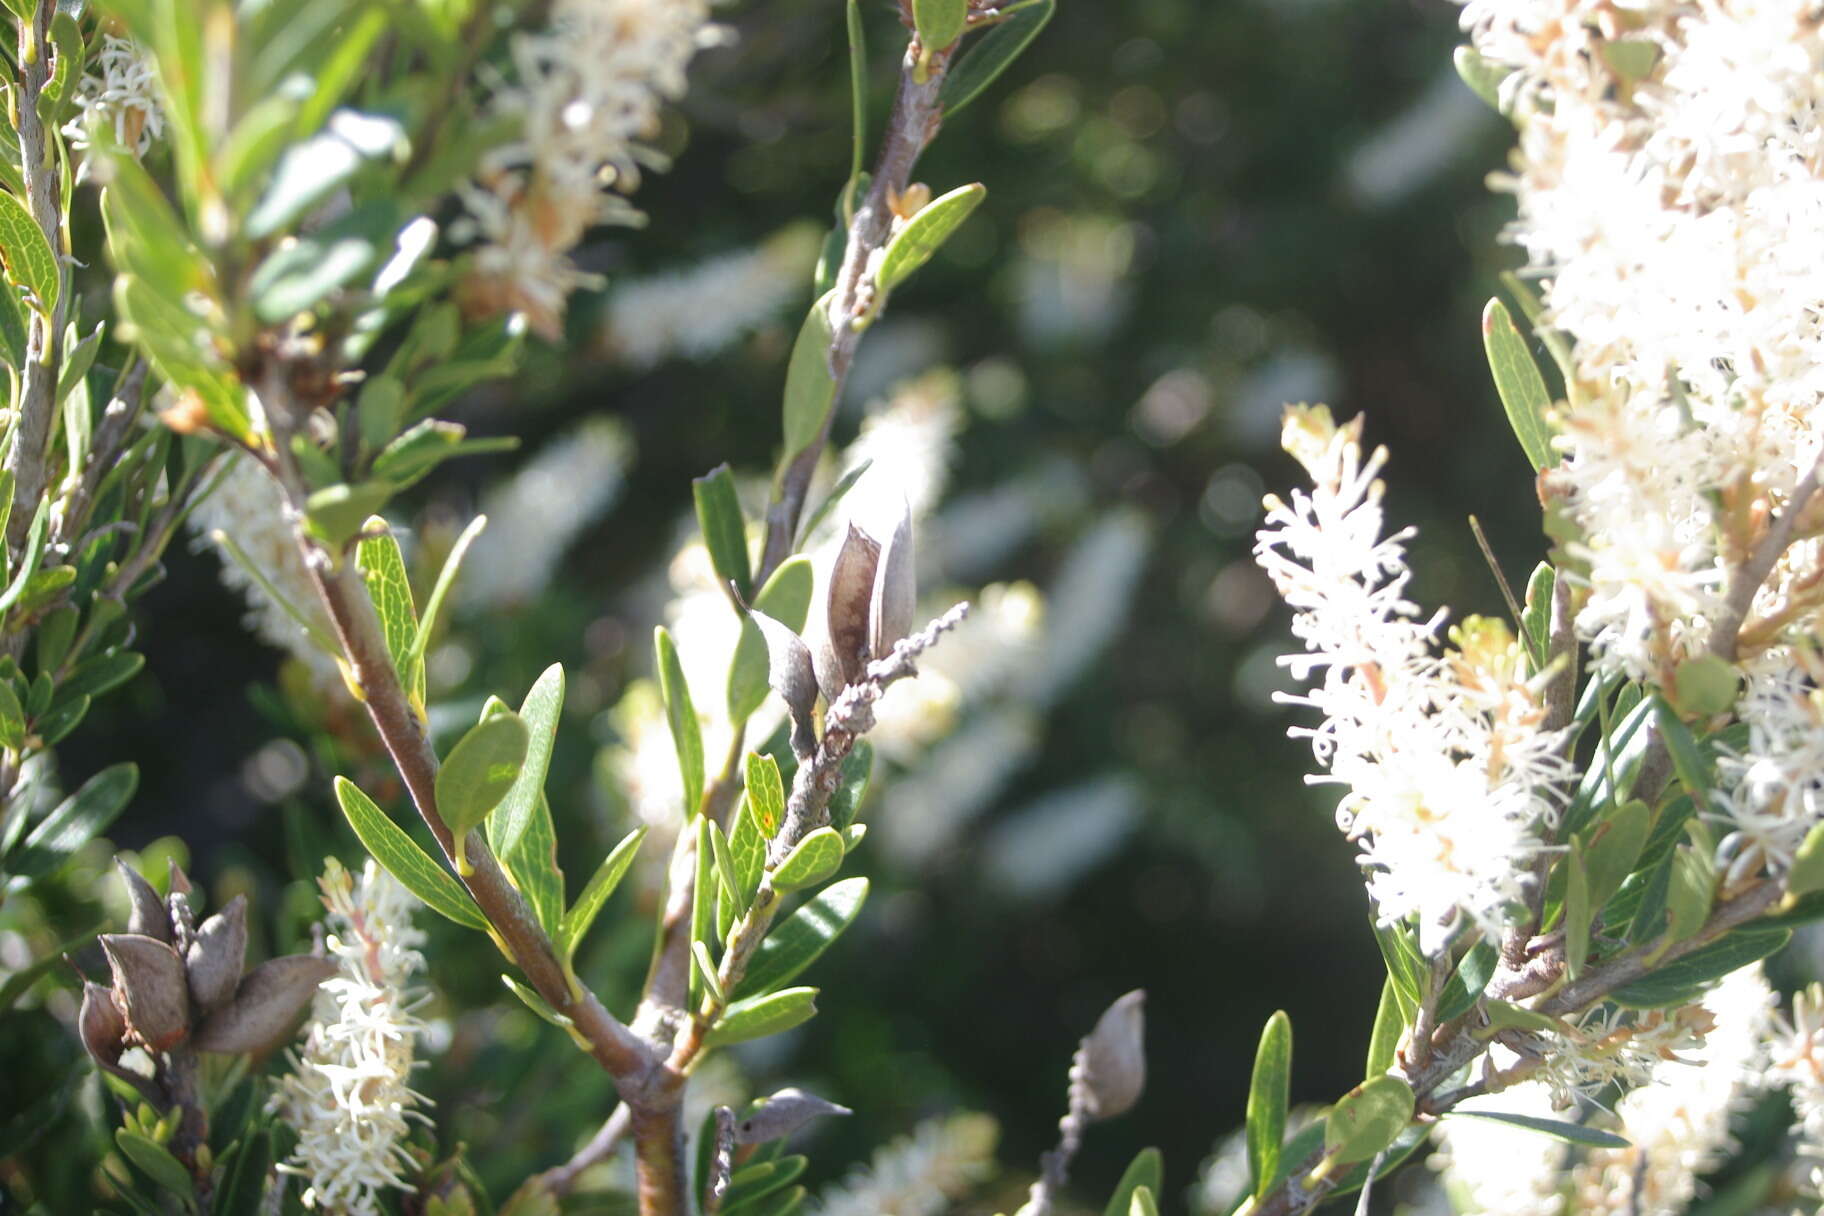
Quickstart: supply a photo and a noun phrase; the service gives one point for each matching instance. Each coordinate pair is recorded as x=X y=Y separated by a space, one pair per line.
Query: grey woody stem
x=911 y=127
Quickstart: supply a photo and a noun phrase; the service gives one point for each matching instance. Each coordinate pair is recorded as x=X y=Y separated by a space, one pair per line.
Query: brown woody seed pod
x=214 y=960
x=266 y=1005
x=150 y=986
x=148 y=917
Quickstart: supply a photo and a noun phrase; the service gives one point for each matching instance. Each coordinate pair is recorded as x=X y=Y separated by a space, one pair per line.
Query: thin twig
x=561 y=1180
x=1746 y=579
x=1494 y=568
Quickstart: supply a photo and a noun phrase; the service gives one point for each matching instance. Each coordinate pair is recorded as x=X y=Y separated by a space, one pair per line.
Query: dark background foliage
x=1299 y=184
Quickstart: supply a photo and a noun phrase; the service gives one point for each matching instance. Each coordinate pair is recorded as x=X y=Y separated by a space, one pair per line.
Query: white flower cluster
x=697 y=311
x=920 y=1174
x=1678 y=1122
x=348 y=1095
x=1498 y=1169
x=1670 y=181
x=534 y=515
x=588 y=92
x=1444 y=757
x=1796 y=1060
x=247 y=505
x=119 y=90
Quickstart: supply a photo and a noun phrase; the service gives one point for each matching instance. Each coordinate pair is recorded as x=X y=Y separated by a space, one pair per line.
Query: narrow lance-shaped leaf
x=803 y=937
x=382 y=567
x=601 y=885
x=77 y=820
x=446 y=578
x=1572 y=1133
x=1268 y=1098
x=388 y=844
x=992 y=54
x=1384 y=1039
x=939 y=22
x=1145 y=1174
x=763 y=1015
x=810 y=390
x=1521 y=387
x=724 y=528
x=541 y=710
x=815 y=858
x=686 y=733
x=925 y=233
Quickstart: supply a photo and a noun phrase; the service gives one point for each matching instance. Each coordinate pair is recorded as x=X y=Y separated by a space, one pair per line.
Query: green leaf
x=1504 y=1015
x=837 y=493
x=765 y=793
x=1268 y=1098
x=1368 y=1119
x=243 y=1181
x=12 y=327
x=925 y=233
x=27 y=254
x=1467 y=982
x=388 y=844
x=76 y=820
x=1631 y=58
x=152 y=1157
x=536 y=1003
x=686 y=733
x=20 y=982
x=703 y=899
x=1579 y=913
x=992 y=54
x=759 y=1016
x=1688 y=900
x=786 y=598
x=382 y=567
x=1311 y=1140
x=1146 y=1172
x=28 y=564
x=1522 y=388
x=704 y=968
x=816 y=857
x=479 y=771
x=540 y=711
x=446 y=578
x=1404 y=965
x=297 y=276
x=810 y=390
x=1384 y=1039
x=724 y=528
x=405 y=460
x=63 y=718
x=1536 y=619
x=601 y=885
x=1573 y=1133
x=337 y=513
x=1612 y=848
x=533 y=864
x=1807 y=872
x=858 y=109
x=1705 y=685
x=747 y=849
x=939 y=24
x=852 y=785
x=315 y=168
x=1482 y=76
x=12 y=718
x=1686 y=979
x=798 y=941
